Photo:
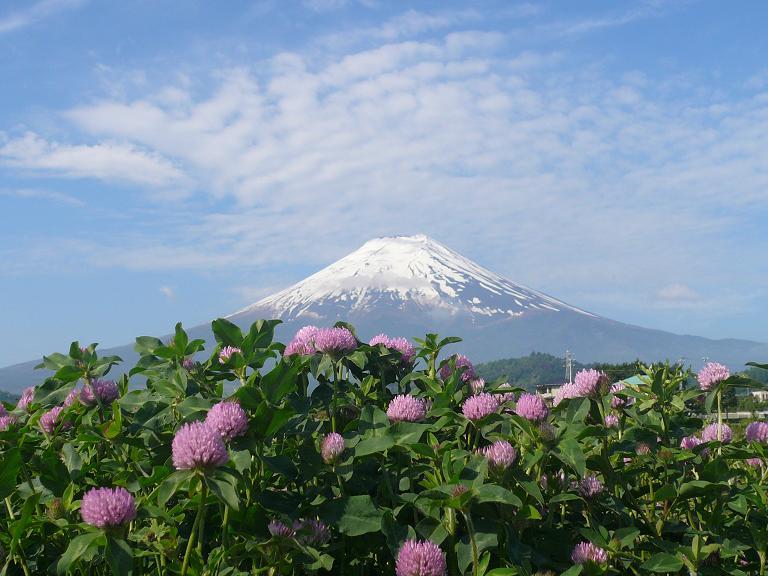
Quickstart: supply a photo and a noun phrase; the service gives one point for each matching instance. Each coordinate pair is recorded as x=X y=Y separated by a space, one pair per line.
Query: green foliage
x=658 y=508
x=8 y=397
x=538 y=368
x=528 y=371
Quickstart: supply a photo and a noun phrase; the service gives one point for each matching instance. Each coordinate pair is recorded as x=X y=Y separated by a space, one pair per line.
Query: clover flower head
x=619 y=401
x=611 y=421
x=463 y=366
x=26 y=398
x=7 y=421
x=589 y=382
x=406 y=408
x=108 y=507
x=590 y=486
x=303 y=342
x=379 y=339
x=197 y=445
x=710 y=433
x=757 y=432
x=690 y=442
x=477 y=385
x=642 y=448
x=228 y=418
x=279 y=529
x=227 y=352
x=458 y=490
x=105 y=390
x=505 y=397
x=51 y=420
x=420 y=558
x=588 y=553
x=312 y=532
x=711 y=374
x=500 y=455
x=402 y=345
x=565 y=392
x=332 y=447
x=532 y=407
x=73 y=397
x=480 y=406
x=335 y=341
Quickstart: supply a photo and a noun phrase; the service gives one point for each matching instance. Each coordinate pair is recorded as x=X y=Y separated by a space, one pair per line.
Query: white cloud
x=640 y=11
x=330 y=5
x=406 y=25
x=38 y=194
x=758 y=80
x=35 y=12
x=168 y=292
x=677 y=293
x=109 y=161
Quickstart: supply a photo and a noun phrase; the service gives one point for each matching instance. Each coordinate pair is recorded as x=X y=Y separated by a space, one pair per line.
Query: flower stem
x=20 y=558
x=341 y=483
x=225 y=527
x=193 y=533
x=334 y=400
x=201 y=529
x=471 y=530
x=719 y=416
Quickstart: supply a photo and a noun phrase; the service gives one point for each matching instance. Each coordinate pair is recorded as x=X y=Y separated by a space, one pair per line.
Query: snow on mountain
x=404 y=270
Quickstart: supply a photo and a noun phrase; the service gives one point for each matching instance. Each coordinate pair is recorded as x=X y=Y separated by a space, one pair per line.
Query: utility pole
x=569 y=366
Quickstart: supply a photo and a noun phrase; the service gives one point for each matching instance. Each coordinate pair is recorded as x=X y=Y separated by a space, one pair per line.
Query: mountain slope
x=411 y=285
x=404 y=270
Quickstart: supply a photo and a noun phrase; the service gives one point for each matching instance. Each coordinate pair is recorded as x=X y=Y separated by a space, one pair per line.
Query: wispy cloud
x=168 y=292
x=40 y=194
x=406 y=25
x=758 y=80
x=35 y=12
x=677 y=293
x=644 y=10
x=109 y=161
x=331 y=5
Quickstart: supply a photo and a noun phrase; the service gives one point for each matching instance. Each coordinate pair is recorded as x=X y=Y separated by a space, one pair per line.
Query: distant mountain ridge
x=411 y=285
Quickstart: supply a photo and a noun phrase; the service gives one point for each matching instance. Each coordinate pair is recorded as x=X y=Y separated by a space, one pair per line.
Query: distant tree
x=757 y=374
x=540 y=368
x=528 y=371
x=8 y=397
x=730 y=400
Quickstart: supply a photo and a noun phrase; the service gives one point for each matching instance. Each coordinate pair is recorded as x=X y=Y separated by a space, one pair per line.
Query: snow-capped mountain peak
x=407 y=270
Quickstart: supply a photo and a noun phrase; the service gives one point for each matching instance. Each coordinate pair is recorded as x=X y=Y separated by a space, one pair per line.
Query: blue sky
x=165 y=161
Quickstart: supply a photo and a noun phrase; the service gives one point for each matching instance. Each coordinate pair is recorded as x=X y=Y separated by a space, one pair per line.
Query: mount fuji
x=411 y=285
x=412 y=273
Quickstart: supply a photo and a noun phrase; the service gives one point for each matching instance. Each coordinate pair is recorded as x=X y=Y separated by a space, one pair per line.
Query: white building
x=547 y=391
